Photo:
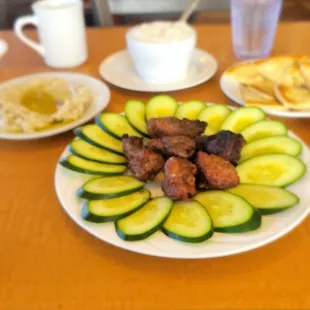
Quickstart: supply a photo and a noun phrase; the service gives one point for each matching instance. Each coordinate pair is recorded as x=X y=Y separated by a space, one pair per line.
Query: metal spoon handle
x=188 y=11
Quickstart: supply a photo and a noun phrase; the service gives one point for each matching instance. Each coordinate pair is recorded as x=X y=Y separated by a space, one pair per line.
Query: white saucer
x=3 y=48
x=118 y=70
x=99 y=90
x=231 y=89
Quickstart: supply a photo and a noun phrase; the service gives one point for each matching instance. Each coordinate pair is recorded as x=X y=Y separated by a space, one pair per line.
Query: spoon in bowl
x=188 y=11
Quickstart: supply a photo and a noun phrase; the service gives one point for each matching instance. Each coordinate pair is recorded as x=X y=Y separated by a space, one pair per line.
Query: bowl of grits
x=161 y=50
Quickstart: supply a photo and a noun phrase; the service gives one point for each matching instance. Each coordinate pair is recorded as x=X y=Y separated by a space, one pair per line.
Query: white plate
x=3 y=48
x=100 y=92
x=118 y=70
x=273 y=226
x=230 y=88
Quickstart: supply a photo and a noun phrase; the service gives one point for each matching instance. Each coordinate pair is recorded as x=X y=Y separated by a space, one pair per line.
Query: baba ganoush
x=42 y=103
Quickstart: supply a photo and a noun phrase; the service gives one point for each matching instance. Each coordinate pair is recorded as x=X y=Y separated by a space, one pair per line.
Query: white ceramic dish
x=100 y=92
x=161 y=62
x=118 y=70
x=273 y=226
x=230 y=88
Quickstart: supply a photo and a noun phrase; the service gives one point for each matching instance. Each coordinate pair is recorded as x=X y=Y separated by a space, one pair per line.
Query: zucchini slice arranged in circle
x=82 y=165
x=271 y=145
x=146 y=221
x=215 y=116
x=109 y=187
x=267 y=199
x=230 y=213
x=116 y=125
x=88 y=151
x=188 y=221
x=263 y=129
x=109 y=210
x=241 y=118
x=190 y=109
x=135 y=114
x=161 y=106
x=274 y=169
x=96 y=136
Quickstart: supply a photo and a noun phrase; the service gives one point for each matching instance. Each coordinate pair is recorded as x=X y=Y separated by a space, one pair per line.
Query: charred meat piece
x=146 y=164
x=201 y=182
x=156 y=145
x=219 y=173
x=225 y=144
x=172 y=126
x=179 y=179
x=131 y=146
x=180 y=146
x=143 y=163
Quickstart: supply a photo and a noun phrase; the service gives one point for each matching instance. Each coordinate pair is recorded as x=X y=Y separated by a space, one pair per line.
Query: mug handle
x=18 y=29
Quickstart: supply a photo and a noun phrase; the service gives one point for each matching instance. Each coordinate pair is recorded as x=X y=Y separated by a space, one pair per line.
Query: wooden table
x=47 y=262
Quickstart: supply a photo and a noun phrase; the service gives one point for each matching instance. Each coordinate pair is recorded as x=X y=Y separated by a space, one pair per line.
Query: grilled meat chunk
x=180 y=146
x=156 y=145
x=219 y=173
x=201 y=182
x=201 y=141
x=225 y=144
x=131 y=145
x=179 y=179
x=143 y=163
x=172 y=126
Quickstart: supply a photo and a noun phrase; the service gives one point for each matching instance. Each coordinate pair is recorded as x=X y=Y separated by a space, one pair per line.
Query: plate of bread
x=280 y=85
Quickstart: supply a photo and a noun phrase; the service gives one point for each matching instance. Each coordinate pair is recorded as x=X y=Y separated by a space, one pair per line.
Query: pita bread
x=293 y=97
x=293 y=91
x=264 y=86
x=247 y=74
x=252 y=97
x=244 y=73
x=273 y=67
x=305 y=71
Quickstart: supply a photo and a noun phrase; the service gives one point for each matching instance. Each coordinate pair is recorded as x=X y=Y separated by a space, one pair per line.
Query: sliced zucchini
x=161 y=106
x=82 y=165
x=97 y=137
x=110 y=187
x=271 y=145
x=263 y=129
x=241 y=118
x=188 y=221
x=116 y=125
x=135 y=113
x=109 y=210
x=267 y=199
x=273 y=169
x=146 y=221
x=230 y=213
x=215 y=116
x=190 y=109
x=88 y=151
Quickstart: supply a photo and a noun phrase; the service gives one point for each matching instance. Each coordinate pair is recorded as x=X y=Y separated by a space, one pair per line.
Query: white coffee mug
x=61 y=30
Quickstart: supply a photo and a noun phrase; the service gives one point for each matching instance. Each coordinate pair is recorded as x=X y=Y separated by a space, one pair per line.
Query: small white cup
x=61 y=30
x=160 y=62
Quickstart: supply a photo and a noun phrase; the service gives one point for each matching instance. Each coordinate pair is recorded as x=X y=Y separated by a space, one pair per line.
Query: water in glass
x=254 y=23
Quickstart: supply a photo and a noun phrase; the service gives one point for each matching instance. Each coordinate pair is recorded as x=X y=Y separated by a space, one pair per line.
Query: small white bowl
x=161 y=62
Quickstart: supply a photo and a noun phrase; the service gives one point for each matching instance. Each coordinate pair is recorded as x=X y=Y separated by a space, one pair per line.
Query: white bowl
x=161 y=62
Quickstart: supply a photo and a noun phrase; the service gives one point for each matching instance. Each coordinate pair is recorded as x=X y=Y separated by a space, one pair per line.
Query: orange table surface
x=47 y=262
